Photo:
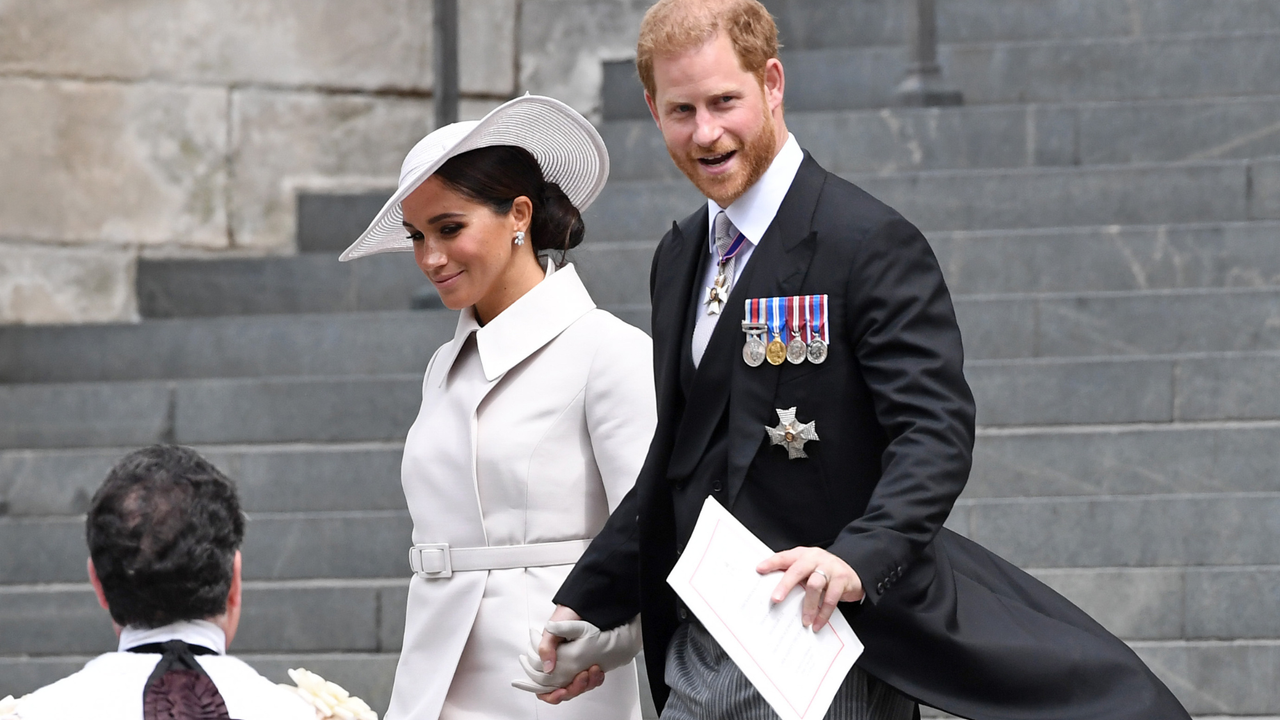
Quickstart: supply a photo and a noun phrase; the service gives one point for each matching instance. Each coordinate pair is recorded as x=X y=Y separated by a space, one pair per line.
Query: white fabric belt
x=438 y=560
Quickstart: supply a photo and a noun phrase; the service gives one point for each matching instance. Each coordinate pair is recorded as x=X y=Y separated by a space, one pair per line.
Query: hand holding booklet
x=796 y=670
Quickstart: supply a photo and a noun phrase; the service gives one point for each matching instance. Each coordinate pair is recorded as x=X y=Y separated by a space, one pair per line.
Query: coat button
x=717 y=486
x=682 y=614
x=880 y=588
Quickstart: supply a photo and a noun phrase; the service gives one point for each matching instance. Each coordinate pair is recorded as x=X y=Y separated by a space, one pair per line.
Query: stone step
x=1127 y=531
x=254 y=346
x=307 y=283
x=891 y=140
x=278 y=546
x=1218 y=677
x=811 y=24
x=270 y=478
x=368 y=676
x=1135 y=194
x=1191 y=603
x=1058 y=391
x=1047 y=461
x=992 y=73
x=1178 y=458
x=1157 y=322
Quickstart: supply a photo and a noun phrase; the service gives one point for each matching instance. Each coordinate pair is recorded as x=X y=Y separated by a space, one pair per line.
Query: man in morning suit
x=872 y=427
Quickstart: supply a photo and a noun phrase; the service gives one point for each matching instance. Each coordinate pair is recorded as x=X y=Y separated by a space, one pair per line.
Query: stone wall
x=186 y=127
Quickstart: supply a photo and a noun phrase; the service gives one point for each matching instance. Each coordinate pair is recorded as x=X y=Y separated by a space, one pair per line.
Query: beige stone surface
x=287 y=141
x=66 y=285
x=365 y=44
x=113 y=163
x=487 y=46
x=563 y=42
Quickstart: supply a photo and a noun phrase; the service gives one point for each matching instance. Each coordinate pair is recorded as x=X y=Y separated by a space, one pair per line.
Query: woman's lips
x=445 y=280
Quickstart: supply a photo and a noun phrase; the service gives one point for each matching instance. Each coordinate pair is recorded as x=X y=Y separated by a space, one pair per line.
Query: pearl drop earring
x=519 y=237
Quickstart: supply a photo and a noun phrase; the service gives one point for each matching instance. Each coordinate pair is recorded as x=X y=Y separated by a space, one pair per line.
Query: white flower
x=9 y=708
x=329 y=699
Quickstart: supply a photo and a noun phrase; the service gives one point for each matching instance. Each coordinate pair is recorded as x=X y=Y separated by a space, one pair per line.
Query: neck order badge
x=718 y=293
x=797 y=330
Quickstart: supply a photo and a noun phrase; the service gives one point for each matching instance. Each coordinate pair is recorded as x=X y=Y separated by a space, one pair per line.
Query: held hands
x=827 y=580
x=573 y=655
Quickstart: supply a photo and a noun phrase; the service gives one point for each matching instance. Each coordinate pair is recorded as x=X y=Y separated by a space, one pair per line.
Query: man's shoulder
x=844 y=205
x=249 y=695
x=109 y=686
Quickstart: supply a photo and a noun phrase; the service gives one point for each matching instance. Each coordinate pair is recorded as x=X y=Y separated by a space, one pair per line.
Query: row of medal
x=791 y=329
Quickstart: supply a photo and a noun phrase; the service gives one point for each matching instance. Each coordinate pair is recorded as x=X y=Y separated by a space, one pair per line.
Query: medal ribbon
x=793 y=310
x=732 y=250
x=774 y=317
x=818 y=305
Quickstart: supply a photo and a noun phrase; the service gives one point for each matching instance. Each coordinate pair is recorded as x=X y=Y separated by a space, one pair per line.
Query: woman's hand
x=584 y=681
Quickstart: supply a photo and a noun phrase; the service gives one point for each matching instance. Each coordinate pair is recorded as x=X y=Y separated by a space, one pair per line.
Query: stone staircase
x=1106 y=208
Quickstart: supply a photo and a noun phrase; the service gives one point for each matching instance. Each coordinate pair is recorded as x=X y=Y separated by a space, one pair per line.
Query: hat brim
x=568 y=149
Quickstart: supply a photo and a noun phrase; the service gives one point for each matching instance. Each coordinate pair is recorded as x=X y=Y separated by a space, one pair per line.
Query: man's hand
x=809 y=565
x=588 y=679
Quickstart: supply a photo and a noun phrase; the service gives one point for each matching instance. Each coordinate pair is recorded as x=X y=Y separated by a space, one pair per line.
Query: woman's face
x=466 y=249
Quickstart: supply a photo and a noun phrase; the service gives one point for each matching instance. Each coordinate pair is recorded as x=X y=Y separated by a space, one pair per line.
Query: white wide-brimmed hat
x=566 y=146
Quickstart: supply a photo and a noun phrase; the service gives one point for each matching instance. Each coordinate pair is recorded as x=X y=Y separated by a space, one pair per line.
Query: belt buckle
x=418 y=556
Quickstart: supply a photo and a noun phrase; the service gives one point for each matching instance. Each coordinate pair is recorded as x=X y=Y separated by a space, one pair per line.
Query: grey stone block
x=640 y=211
x=997 y=328
x=1134 y=604
x=1237 y=387
x=1178 y=129
x=295 y=546
x=1121 y=460
x=1264 y=197
x=1114 y=258
x=1158 y=322
x=22 y=675
x=1038 y=198
x=296 y=409
x=301 y=478
x=330 y=222
x=44 y=550
x=368 y=676
x=278 y=546
x=1218 y=677
x=311 y=283
x=1156 y=531
x=1232 y=603
x=1054 y=392
x=393 y=603
x=250 y=346
x=615 y=273
x=1115 y=69
x=89 y=414
x=52 y=620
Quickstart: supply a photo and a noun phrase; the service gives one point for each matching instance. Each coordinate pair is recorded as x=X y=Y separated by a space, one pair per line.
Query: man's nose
x=707 y=130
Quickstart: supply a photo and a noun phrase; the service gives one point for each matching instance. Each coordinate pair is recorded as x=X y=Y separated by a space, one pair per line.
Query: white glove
x=585 y=645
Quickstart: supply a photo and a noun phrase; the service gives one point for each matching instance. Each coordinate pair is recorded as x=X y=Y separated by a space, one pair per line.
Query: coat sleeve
x=907 y=345
x=620 y=408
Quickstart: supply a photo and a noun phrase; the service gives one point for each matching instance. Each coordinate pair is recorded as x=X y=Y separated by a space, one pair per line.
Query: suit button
x=682 y=614
x=717 y=486
x=679 y=548
x=880 y=587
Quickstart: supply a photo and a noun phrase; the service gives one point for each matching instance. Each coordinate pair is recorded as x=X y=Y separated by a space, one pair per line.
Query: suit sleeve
x=907 y=345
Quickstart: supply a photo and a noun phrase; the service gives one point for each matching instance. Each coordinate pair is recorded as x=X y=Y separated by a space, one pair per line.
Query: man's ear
x=653 y=108
x=775 y=83
x=97 y=586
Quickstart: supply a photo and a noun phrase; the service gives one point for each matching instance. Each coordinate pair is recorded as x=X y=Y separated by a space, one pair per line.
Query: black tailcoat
x=945 y=621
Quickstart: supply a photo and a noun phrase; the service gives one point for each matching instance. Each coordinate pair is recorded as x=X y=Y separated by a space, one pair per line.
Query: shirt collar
x=533 y=320
x=192 y=632
x=752 y=213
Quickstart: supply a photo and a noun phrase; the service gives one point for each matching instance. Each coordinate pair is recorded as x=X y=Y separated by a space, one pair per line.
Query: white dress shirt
x=751 y=215
x=110 y=686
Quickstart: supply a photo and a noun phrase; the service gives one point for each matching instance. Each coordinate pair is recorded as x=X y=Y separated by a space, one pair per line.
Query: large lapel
x=675 y=274
x=777 y=267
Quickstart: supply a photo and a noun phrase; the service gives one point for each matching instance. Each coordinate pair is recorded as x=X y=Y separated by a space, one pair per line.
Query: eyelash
x=445 y=230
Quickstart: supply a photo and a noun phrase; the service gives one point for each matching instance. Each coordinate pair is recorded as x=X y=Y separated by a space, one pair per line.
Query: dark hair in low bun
x=495 y=176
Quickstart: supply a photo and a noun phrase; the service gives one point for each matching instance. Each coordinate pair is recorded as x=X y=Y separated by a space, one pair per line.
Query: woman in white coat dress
x=535 y=418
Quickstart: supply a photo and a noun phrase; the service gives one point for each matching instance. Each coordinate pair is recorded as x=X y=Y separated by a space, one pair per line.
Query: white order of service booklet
x=797 y=670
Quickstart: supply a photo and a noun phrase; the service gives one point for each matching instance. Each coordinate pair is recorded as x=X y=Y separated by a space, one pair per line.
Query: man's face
x=721 y=126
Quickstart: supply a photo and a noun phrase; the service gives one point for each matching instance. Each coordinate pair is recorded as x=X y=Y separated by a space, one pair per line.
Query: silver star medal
x=717 y=294
x=791 y=433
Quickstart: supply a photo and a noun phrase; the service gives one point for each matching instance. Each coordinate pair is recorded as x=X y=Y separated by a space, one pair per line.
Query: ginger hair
x=675 y=26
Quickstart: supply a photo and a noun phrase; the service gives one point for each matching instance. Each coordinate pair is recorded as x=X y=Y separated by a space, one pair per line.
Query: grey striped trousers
x=706 y=685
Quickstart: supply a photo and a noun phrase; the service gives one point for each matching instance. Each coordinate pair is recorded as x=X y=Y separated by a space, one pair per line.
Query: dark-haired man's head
x=164 y=533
